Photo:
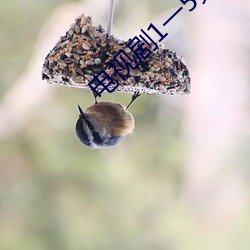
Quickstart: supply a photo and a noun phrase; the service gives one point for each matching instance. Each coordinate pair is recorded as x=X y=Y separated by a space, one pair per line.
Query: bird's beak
x=82 y=115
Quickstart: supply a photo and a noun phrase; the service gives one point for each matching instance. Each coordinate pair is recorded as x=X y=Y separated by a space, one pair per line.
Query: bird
x=104 y=124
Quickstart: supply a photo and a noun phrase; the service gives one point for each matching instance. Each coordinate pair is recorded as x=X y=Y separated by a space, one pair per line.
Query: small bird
x=104 y=124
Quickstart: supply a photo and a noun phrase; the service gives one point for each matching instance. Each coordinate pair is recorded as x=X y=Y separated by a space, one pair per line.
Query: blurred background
x=180 y=182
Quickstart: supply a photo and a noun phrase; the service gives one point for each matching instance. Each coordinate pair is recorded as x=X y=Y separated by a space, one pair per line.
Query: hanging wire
x=110 y=16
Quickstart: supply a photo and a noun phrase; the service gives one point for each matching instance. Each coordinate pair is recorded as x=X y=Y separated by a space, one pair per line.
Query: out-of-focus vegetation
x=20 y=24
x=57 y=194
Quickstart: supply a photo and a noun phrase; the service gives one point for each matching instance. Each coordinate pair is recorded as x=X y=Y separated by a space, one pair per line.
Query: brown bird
x=104 y=124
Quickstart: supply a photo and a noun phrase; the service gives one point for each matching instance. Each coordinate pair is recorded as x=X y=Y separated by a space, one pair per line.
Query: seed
x=135 y=72
x=78 y=70
x=145 y=77
x=77 y=29
x=64 y=43
x=68 y=54
x=88 y=62
x=84 y=28
x=77 y=57
x=77 y=79
x=131 y=80
x=150 y=74
x=69 y=60
x=85 y=46
x=77 y=51
x=120 y=42
x=89 y=77
x=61 y=62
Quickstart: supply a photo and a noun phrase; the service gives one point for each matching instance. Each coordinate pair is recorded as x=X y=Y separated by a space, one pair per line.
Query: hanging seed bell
x=86 y=50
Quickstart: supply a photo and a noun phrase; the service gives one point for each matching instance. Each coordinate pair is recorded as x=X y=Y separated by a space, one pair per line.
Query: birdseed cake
x=85 y=50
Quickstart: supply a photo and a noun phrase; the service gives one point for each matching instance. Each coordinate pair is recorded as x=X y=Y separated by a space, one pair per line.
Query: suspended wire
x=110 y=16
